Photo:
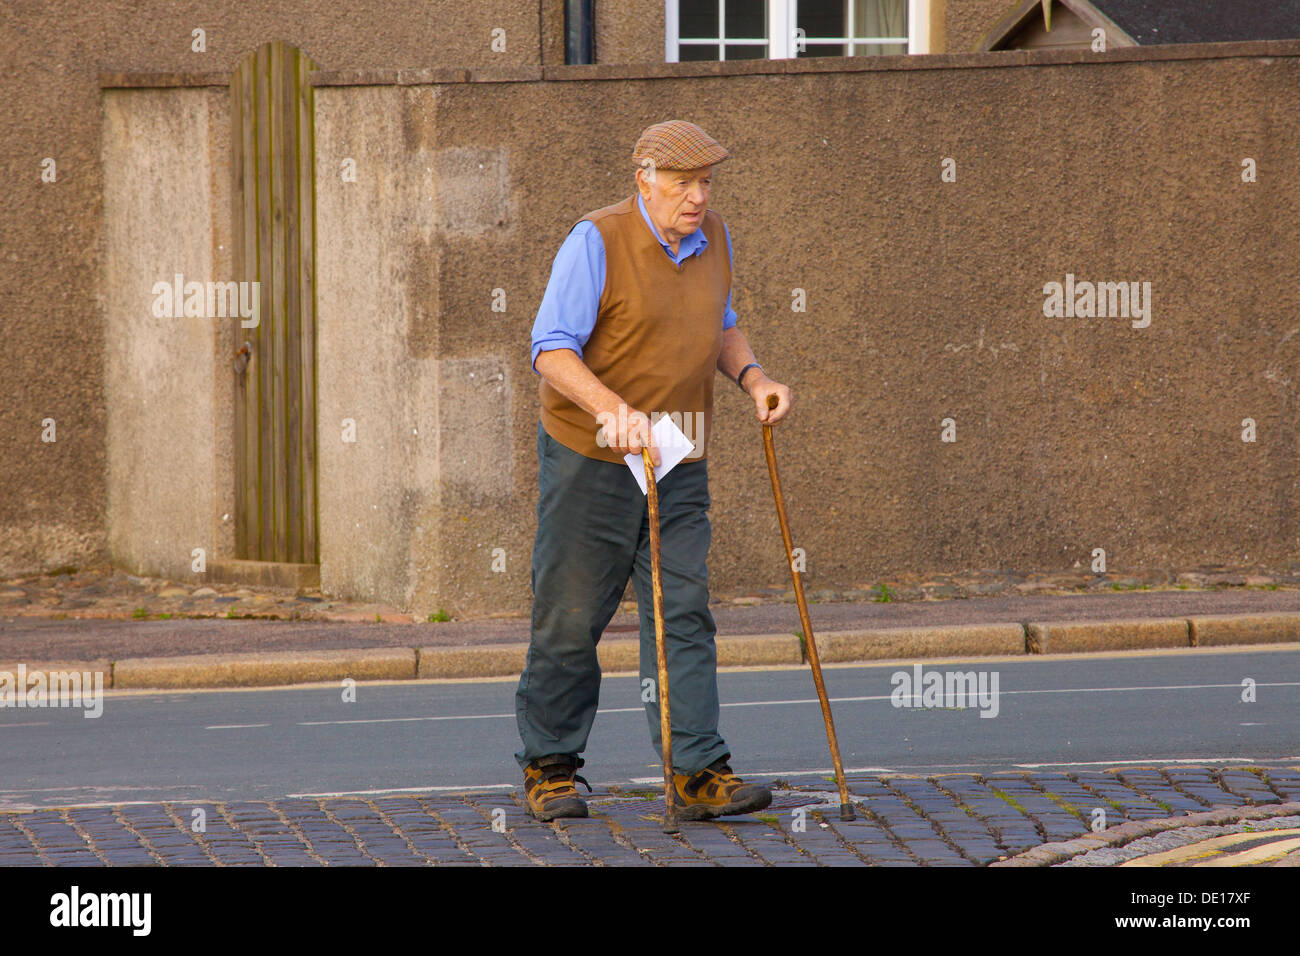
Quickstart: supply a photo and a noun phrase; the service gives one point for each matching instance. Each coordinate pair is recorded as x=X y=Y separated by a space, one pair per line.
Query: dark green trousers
x=593 y=533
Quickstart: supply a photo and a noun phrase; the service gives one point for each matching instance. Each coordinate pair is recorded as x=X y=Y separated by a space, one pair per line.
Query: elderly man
x=636 y=318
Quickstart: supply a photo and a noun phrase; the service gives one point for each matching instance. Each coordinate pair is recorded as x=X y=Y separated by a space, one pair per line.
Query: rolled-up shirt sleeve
x=569 y=307
x=729 y=316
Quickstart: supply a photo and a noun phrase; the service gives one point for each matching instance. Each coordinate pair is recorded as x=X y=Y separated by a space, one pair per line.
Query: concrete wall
x=630 y=32
x=54 y=497
x=967 y=21
x=925 y=302
x=377 y=347
x=429 y=486
x=167 y=380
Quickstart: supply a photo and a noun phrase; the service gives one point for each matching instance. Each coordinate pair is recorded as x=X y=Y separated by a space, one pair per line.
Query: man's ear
x=642 y=183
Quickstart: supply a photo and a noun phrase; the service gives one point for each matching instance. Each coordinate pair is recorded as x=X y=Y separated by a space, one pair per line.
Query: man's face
x=676 y=199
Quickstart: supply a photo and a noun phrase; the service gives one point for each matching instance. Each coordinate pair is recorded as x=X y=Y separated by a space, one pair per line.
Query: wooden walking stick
x=846 y=805
x=661 y=651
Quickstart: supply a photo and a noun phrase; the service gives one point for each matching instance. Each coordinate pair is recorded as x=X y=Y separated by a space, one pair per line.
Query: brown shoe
x=715 y=791
x=549 y=789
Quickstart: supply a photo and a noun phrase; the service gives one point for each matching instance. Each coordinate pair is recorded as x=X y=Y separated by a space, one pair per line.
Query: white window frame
x=782 y=15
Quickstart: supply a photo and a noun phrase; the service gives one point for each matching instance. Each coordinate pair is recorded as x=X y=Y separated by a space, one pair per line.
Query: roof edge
x=1016 y=16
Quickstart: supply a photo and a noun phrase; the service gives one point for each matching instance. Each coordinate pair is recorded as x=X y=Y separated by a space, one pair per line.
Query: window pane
x=823 y=49
x=822 y=18
x=704 y=51
x=736 y=52
x=698 y=19
x=880 y=49
x=880 y=18
x=746 y=18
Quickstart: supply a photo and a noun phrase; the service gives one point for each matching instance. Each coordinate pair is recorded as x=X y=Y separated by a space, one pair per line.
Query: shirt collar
x=690 y=245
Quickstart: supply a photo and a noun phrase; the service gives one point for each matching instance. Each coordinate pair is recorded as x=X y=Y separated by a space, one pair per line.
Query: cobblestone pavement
x=946 y=820
x=1259 y=843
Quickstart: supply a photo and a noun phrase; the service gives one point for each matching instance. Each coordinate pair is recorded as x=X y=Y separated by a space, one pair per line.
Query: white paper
x=673 y=446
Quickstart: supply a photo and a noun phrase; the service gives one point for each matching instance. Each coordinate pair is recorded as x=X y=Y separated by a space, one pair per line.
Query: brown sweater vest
x=658 y=332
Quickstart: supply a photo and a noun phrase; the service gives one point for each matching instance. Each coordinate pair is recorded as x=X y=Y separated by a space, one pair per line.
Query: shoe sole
x=701 y=811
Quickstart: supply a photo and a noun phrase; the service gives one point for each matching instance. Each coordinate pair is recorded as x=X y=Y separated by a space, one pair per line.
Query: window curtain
x=879 y=18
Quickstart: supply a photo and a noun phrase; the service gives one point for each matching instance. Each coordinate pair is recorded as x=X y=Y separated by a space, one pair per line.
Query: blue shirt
x=567 y=314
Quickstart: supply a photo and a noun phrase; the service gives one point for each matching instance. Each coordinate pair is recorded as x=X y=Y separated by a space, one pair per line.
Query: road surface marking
x=1147 y=762
x=367 y=793
x=807 y=700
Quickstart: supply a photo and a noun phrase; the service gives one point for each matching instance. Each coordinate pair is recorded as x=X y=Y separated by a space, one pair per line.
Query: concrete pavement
x=205 y=651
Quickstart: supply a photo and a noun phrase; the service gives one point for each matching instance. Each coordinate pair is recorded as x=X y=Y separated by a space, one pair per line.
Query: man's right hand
x=627 y=431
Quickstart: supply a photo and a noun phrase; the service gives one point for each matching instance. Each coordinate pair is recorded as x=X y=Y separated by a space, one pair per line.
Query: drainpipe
x=579 y=31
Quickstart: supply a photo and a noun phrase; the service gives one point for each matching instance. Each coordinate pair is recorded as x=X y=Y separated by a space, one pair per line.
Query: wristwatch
x=741 y=376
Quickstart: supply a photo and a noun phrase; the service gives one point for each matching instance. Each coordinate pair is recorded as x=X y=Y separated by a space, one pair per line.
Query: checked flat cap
x=677 y=144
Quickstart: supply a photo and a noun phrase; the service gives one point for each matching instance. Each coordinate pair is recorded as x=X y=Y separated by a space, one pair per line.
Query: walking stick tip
x=846 y=804
x=661 y=654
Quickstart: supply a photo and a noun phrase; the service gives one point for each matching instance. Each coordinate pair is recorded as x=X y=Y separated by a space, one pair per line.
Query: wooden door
x=273 y=232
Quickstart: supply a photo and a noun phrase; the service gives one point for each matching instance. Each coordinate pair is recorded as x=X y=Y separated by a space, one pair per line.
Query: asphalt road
x=1079 y=712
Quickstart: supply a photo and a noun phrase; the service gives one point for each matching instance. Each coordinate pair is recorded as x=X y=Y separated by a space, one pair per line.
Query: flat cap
x=677 y=144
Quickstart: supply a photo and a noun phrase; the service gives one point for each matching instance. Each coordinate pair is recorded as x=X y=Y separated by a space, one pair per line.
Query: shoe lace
x=562 y=771
x=721 y=768
x=719 y=771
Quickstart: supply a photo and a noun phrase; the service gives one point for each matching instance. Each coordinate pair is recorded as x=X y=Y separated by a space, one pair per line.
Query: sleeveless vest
x=658 y=332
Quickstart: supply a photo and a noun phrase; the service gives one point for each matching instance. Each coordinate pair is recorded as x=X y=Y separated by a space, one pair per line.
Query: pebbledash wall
x=924 y=308
x=74 y=501
x=61 y=502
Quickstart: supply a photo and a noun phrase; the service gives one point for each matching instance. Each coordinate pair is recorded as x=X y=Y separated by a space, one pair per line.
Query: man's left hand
x=759 y=391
